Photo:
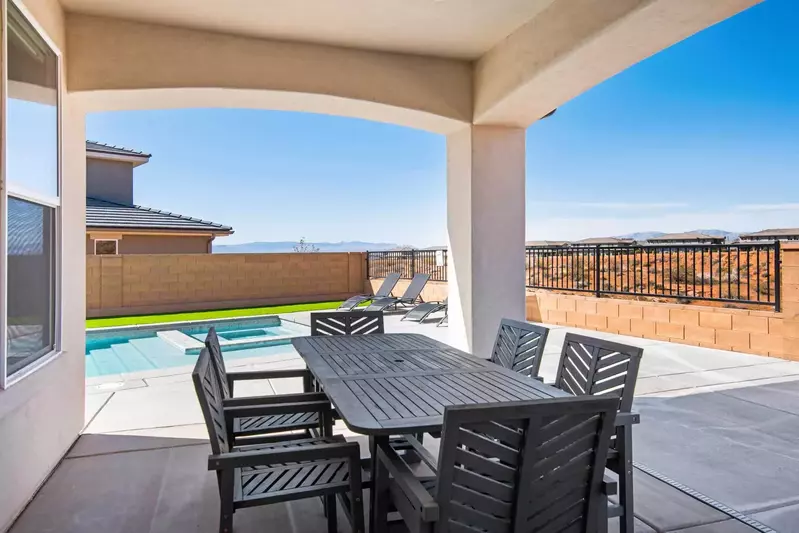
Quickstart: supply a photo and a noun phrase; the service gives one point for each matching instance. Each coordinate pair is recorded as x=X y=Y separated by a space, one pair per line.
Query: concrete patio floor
x=725 y=424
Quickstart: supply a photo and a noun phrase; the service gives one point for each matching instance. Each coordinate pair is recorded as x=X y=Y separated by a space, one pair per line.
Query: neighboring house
x=604 y=241
x=781 y=234
x=546 y=244
x=686 y=238
x=115 y=225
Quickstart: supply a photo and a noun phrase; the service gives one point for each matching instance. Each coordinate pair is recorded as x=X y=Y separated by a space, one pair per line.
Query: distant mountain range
x=360 y=246
x=288 y=246
x=646 y=235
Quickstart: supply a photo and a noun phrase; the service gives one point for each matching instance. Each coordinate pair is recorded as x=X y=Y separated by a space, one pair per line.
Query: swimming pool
x=140 y=348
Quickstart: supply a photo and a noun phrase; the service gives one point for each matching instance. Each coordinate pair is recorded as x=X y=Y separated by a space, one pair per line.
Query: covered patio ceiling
x=505 y=62
x=461 y=29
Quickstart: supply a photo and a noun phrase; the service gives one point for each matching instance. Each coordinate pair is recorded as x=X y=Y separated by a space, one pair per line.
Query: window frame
x=116 y=245
x=30 y=196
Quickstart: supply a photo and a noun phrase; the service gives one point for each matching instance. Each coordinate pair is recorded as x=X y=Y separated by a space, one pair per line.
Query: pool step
x=106 y=361
x=131 y=359
x=181 y=341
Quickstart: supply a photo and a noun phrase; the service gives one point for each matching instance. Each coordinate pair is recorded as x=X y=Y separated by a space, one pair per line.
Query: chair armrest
x=275 y=398
x=225 y=461
x=407 y=482
x=609 y=486
x=627 y=419
x=422 y=452
x=243 y=411
x=232 y=377
x=269 y=374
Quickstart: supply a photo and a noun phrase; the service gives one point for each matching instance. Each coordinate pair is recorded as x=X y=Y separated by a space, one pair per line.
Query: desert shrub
x=682 y=274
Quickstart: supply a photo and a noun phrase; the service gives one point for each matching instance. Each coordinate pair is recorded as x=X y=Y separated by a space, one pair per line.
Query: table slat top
x=383 y=387
x=366 y=343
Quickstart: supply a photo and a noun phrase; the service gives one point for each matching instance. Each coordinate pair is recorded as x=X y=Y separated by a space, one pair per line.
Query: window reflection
x=32 y=193
x=31 y=110
x=31 y=310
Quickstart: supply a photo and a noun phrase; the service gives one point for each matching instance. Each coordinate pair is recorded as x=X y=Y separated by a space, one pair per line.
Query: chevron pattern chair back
x=212 y=344
x=599 y=367
x=524 y=466
x=519 y=346
x=347 y=323
x=206 y=385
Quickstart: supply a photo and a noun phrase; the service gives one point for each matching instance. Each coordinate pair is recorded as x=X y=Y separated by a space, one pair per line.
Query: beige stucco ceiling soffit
x=117 y=64
x=575 y=44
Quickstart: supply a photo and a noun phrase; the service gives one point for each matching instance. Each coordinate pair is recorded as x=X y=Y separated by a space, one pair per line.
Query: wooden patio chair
x=344 y=323
x=597 y=367
x=246 y=428
x=279 y=471
x=508 y=467
x=347 y=323
x=519 y=346
x=353 y=323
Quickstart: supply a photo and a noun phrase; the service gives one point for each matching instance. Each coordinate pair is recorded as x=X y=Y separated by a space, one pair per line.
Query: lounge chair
x=411 y=295
x=423 y=310
x=384 y=291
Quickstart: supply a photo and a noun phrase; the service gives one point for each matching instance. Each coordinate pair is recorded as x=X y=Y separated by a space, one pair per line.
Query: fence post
x=777 y=277
x=368 y=274
x=597 y=272
x=413 y=262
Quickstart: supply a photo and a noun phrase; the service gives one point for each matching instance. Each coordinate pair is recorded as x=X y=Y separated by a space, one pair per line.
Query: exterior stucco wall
x=155 y=244
x=158 y=244
x=109 y=180
x=42 y=414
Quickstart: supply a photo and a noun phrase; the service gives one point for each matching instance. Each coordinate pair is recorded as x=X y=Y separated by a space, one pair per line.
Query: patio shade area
x=709 y=420
x=477 y=73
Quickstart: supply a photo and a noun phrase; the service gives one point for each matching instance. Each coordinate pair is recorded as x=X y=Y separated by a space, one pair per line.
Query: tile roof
x=689 y=236
x=104 y=214
x=25 y=227
x=605 y=240
x=546 y=243
x=94 y=146
x=779 y=232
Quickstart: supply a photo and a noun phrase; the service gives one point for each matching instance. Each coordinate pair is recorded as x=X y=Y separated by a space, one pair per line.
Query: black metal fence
x=407 y=263
x=736 y=273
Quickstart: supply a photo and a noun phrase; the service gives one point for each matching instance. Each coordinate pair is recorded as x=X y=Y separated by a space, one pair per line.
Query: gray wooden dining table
x=400 y=384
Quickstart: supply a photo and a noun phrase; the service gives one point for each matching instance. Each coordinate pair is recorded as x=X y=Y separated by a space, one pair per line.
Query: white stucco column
x=486 y=226
x=73 y=230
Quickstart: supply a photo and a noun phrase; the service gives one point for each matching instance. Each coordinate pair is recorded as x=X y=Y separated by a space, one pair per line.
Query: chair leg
x=356 y=495
x=602 y=515
x=624 y=443
x=226 y=502
x=330 y=512
x=380 y=490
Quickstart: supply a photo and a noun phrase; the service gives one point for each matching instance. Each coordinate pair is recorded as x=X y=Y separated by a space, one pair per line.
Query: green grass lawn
x=205 y=315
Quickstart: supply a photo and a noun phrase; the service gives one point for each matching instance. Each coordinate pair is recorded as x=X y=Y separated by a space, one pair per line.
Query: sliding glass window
x=32 y=195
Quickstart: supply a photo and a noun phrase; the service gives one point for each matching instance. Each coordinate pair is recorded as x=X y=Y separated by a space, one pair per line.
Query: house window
x=106 y=247
x=31 y=199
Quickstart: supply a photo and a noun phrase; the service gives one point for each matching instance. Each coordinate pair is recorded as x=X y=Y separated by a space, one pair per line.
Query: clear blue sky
x=702 y=135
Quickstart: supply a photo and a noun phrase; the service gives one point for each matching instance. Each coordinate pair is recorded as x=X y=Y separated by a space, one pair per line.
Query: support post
x=486 y=228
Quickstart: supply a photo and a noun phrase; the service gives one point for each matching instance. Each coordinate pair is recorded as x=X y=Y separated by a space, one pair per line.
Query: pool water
x=124 y=350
